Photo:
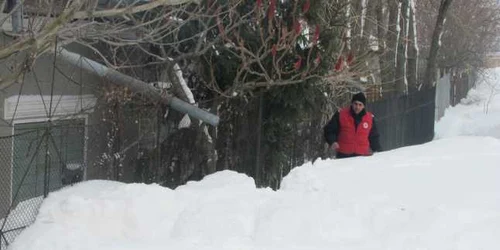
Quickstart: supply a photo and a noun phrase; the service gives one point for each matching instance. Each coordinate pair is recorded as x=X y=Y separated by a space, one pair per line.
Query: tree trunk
x=363 y=7
x=412 y=50
x=381 y=17
x=381 y=20
x=435 y=44
x=401 y=80
x=349 y=25
x=370 y=27
x=389 y=63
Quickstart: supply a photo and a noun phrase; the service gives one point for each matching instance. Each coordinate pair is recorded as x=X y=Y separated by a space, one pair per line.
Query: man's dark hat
x=360 y=97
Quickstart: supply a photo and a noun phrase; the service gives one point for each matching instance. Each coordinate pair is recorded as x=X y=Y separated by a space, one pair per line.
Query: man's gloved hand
x=335 y=146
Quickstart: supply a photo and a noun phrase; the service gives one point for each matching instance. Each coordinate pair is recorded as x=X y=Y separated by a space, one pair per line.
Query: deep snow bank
x=441 y=195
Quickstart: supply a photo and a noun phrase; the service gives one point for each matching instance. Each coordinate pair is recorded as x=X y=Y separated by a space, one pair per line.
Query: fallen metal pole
x=136 y=86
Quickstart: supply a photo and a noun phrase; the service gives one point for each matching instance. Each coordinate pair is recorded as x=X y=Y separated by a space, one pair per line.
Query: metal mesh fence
x=405 y=120
x=460 y=86
x=39 y=158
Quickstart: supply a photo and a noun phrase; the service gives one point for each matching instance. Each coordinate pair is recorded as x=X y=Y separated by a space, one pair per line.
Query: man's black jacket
x=333 y=127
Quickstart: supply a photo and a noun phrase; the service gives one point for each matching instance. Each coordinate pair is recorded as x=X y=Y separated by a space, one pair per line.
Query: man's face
x=357 y=107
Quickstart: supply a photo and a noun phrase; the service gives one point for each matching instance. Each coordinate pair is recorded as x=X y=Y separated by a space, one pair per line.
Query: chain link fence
x=39 y=158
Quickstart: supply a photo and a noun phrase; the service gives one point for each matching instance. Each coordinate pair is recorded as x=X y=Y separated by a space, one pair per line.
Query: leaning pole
x=135 y=85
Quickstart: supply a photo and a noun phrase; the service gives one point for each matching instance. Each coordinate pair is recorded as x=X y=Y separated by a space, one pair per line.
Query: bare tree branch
x=131 y=9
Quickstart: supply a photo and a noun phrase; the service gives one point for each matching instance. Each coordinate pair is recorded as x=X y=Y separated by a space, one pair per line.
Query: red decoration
x=338 y=65
x=298 y=63
x=316 y=35
x=259 y=3
x=272 y=9
x=274 y=50
x=306 y=6
x=297 y=27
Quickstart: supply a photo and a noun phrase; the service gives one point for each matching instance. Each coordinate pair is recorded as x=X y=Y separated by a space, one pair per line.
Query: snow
x=440 y=195
x=373 y=42
x=478 y=113
x=185 y=122
x=183 y=83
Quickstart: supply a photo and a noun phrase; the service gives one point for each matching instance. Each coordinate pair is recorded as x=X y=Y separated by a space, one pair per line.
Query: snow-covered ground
x=478 y=114
x=441 y=195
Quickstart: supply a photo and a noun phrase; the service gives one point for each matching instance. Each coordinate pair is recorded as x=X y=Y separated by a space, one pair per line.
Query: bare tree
x=402 y=48
x=470 y=32
x=388 y=63
x=436 y=43
x=413 y=50
x=286 y=49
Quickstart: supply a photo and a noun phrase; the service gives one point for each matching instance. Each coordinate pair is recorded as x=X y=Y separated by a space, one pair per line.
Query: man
x=352 y=130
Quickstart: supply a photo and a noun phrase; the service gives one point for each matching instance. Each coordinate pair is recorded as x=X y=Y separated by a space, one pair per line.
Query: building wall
x=42 y=79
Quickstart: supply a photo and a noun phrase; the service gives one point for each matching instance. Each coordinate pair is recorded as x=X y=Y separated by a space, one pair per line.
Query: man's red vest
x=354 y=140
